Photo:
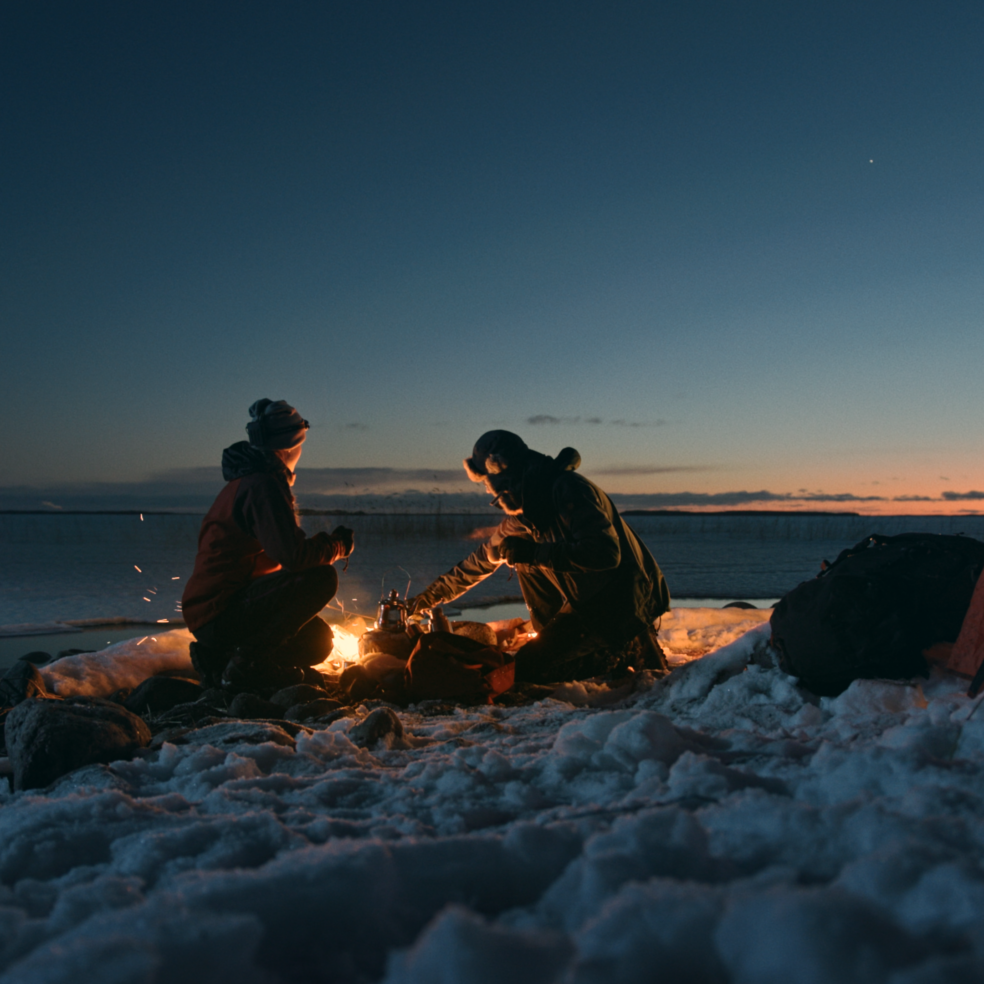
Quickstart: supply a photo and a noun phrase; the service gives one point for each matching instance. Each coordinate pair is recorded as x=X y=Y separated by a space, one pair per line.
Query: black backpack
x=876 y=608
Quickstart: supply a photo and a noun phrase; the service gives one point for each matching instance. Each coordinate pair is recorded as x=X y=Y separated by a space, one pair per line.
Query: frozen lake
x=78 y=566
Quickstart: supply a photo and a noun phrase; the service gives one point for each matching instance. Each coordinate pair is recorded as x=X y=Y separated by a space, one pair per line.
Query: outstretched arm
x=473 y=569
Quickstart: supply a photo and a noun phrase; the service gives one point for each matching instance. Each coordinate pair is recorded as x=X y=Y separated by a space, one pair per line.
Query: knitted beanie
x=275 y=425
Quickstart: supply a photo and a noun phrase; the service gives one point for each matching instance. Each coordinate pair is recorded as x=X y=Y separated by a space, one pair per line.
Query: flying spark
x=137 y=569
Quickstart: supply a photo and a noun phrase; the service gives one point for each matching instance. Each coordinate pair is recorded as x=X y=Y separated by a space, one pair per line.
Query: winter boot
x=244 y=673
x=653 y=657
x=209 y=663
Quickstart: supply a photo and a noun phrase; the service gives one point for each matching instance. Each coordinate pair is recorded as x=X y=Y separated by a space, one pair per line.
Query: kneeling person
x=259 y=582
x=592 y=588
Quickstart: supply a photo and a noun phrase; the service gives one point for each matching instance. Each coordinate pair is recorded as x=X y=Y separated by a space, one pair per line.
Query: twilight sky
x=718 y=247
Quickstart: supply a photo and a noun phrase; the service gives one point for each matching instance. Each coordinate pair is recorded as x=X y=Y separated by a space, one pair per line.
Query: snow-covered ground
x=717 y=826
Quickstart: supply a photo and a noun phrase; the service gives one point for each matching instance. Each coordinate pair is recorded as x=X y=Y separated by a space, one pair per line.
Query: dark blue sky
x=746 y=238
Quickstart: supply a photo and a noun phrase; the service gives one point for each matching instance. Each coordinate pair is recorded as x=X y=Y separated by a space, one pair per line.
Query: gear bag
x=876 y=608
x=443 y=665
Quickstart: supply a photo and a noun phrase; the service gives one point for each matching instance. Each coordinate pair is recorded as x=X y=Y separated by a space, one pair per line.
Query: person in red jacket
x=259 y=582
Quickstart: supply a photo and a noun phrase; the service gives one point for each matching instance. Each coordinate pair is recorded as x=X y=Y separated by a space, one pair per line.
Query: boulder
x=216 y=697
x=381 y=725
x=37 y=657
x=20 y=682
x=301 y=693
x=161 y=693
x=251 y=706
x=49 y=738
x=313 y=709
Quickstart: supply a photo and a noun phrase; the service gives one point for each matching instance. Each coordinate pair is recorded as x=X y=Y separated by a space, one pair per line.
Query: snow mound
x=720 y=825
x=125 y=664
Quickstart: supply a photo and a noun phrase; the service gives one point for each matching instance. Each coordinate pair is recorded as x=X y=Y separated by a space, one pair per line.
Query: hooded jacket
x=582 y=545
x=251 y=530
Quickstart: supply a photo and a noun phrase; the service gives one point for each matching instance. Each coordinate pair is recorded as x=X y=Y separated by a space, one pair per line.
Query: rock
x=356 y=683
x=21 y=682
x=50 y=738
x=381 y=724
x=301 y=693
x=161 y=693
x=228 y=734
x=215 y=697
x=250 y=706
x=37 y=657
x=312 y=709
x=313 y=677
x=62 y=653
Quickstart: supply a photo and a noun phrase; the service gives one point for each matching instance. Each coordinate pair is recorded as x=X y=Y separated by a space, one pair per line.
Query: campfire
x=346 y=649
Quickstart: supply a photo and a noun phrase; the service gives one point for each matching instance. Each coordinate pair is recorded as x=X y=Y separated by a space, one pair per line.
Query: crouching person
x=259 y=582
x=592 y=588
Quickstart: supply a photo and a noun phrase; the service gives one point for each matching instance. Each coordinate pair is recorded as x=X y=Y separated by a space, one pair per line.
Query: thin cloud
x=663 y=500
x=650 y=469
x=540 y=419
x=357 y=426
x=959 y=496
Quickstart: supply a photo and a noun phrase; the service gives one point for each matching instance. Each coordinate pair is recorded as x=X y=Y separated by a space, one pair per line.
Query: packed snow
x=720 y=825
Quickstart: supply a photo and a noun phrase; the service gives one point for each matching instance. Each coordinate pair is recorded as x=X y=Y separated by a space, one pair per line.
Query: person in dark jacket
x=259 y=582
x=592 y=588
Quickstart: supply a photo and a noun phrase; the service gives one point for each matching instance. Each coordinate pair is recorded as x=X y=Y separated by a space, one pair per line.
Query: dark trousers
x=573 y=645
x=274 y=618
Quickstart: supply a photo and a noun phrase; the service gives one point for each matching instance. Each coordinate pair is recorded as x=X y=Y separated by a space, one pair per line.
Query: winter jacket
x=595 y=560
x=251 y=530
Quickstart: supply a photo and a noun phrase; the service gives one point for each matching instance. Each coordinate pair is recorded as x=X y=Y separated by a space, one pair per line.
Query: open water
x=80 y=566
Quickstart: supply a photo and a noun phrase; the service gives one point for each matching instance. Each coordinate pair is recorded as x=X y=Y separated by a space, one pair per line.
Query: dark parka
x=251 y=530
x=589 y=555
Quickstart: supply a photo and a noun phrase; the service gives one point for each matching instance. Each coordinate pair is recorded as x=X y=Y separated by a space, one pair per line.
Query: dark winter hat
x=275 y=425
x=494 y=452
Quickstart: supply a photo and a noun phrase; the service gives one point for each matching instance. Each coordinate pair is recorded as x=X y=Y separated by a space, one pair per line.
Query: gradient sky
x=714 y=246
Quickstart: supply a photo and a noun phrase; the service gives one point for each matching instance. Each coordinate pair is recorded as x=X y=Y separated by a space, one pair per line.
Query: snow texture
x=126 y=664
x=721 y=825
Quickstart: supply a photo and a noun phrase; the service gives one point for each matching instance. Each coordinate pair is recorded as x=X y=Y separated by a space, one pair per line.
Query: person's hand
x=345 y=539
x=419 y=603
x=516 y=550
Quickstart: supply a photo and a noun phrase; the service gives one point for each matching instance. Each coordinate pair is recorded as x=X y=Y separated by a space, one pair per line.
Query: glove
x=344 y=541
x=418 y=603
x=516 y=550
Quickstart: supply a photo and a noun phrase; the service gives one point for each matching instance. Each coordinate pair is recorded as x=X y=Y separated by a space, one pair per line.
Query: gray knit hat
x=275 y=425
